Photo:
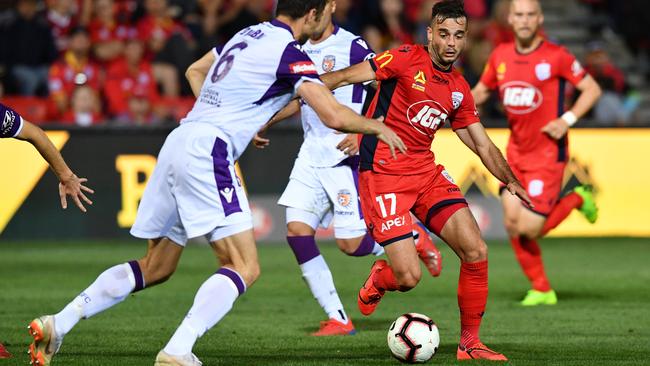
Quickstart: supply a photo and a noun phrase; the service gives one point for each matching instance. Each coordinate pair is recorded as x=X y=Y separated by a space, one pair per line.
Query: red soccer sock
x=530 y=259
x=385 y=279
x=472 y=297
x=561 y=211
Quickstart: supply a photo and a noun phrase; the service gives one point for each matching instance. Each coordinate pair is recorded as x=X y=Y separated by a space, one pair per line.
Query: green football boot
x=588 y=209
x=534 y=298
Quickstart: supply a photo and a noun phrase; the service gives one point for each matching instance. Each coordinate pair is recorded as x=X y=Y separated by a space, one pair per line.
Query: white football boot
x=165 y=359
x=46 y=343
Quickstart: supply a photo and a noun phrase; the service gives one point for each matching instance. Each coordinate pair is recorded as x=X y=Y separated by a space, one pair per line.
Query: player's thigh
x=239 y=252
x=208 y=192
x=386 y=202
x=512 y=208
x=462 y=234
x=530 y=223
x=437 y=199
x=403 y=259
x=157 y=214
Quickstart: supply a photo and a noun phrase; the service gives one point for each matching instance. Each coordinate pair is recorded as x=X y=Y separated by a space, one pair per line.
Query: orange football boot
x=369 y=295
x=3 y=352
x=333 y=327
x=478 y=351
x=427 y=251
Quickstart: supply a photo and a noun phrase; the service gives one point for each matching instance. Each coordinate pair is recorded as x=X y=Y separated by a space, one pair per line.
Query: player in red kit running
x=530 y=75
x=418 y=91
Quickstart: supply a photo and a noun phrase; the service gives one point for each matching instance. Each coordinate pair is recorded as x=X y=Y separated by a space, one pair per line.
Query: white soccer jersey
x=257 y=73
x=337 y=52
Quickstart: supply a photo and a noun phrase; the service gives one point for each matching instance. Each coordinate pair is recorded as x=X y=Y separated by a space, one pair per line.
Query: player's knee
x=530 y=233
x=249 y=273
x=348 y=246
x=298 y=229
x=511 y=226
x=406 y=280
x=475 y=253
x=155 y=273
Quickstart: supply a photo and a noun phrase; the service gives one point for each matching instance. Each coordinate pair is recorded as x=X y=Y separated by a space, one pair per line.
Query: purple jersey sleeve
x=360 y=51
x=12 y=123
x=295 y=67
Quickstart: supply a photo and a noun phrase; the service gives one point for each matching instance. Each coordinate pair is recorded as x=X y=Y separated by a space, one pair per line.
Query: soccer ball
x=413 y=338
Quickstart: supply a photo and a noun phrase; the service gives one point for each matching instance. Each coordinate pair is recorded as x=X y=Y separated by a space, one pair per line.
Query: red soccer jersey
x=102 y=32
x=122 y=83
x=531 y=88
x=415 y=98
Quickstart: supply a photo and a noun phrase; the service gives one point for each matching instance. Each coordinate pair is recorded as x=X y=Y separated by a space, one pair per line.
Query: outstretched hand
x=391 y=139
x=516 y=189
x=73 y=186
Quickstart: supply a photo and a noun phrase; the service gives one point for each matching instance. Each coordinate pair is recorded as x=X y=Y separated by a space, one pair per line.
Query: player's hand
x=516 y=189
x=73 y=186
x=391 y=139
x=259 y=141
x=557 y=128
x=349 y=145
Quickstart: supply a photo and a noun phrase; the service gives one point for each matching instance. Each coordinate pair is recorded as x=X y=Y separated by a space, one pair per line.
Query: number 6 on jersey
x=393 y=203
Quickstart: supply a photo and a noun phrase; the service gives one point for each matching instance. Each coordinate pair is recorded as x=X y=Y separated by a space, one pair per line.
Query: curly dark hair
x=298 y=8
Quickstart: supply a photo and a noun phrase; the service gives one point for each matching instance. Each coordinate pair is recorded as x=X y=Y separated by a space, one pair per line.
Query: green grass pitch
x=603 y=317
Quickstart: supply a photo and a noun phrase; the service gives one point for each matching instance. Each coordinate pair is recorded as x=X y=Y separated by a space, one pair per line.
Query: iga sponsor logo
x=303 y=67
x=520 y=97
x=426 y=116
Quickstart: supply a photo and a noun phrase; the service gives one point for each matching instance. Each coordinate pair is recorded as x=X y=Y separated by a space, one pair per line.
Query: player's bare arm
x=198 y=71
x=475 y=137
x=481 y=93
x=359 y=73
x=339 y=117
x=589 y=94
x=69 y=183
x=260 y=141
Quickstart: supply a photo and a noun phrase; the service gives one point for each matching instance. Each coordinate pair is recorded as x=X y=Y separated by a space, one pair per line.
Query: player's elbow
x=332 y=118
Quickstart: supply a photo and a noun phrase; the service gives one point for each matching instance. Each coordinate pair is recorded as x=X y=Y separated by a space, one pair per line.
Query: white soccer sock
x=377 y=250
x=318 y=277
x=211 y=303
x=110 y=288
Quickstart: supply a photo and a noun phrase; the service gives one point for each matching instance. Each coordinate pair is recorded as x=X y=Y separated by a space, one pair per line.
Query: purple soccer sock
x=303 y=247
x=365 y=247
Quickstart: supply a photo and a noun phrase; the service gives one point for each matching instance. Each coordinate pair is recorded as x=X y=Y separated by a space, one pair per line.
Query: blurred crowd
x=89 y=62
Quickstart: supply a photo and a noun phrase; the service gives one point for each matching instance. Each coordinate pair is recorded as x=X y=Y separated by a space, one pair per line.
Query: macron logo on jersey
x=303 y=67
x=520 y=97
x=362 y=43
x=227 y=193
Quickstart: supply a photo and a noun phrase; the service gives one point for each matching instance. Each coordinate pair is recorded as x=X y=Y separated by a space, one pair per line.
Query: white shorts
x=194 y=190
x=326 y=193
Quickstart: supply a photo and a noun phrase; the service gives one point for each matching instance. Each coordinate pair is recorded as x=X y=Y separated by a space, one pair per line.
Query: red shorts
x=387 y=200
x=543 y=184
